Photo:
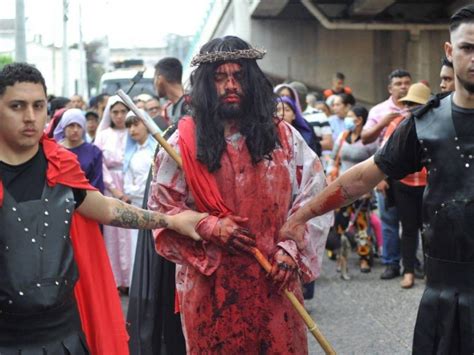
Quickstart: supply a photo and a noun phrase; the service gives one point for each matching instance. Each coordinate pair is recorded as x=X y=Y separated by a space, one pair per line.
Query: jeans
x=390 y=232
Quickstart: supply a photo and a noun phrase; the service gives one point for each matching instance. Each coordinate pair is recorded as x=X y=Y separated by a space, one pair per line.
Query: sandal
x=408 y=280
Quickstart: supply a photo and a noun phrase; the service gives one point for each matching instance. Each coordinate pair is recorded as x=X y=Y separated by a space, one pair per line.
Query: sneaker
x=345 y=275
x=390 y=272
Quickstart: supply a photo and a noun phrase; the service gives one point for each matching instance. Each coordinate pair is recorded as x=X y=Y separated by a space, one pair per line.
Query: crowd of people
x=347 y=134
x=262 y=169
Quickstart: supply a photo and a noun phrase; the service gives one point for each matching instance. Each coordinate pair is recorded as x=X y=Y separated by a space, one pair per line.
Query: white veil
x=106 y=120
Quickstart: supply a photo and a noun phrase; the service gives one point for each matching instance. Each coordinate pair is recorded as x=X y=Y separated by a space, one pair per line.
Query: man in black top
x=440 y=137
x=43 y=195
x=168 y=75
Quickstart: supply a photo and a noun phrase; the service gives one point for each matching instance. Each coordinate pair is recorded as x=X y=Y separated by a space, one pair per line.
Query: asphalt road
x=365 y=315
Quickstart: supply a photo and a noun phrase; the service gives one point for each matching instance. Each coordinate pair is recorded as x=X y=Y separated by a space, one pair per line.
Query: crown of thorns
x=221 y=56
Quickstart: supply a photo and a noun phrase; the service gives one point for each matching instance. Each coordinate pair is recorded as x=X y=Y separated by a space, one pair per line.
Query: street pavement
x=365 y=315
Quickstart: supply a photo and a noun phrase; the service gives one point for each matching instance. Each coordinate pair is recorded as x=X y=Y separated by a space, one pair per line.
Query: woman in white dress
x=111 y=138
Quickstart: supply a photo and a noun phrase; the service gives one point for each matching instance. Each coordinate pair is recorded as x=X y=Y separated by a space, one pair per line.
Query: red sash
x=200 y=181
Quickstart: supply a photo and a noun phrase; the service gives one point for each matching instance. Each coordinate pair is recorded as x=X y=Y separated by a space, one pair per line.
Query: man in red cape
x=57 y=293
x=249 y=171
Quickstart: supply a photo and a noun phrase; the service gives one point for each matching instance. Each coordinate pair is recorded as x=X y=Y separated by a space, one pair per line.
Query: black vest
x=38 y=271
x=448 y=203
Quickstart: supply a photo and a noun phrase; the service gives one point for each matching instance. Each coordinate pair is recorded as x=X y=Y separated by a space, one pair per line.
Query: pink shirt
x=379 y=111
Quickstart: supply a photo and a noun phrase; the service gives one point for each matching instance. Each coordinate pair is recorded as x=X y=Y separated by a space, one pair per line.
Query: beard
x=466 y=84
x=230 y=110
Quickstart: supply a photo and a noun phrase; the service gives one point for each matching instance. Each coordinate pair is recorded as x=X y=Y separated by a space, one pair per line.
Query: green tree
x=94 y=62
x=4 y=60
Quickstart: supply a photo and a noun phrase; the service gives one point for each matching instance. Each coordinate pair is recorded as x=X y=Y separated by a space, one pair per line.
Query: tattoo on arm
x=128 y=216
x=147 y=217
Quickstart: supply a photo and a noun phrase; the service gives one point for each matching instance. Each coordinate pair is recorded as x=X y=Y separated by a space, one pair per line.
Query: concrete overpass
x=309 y=40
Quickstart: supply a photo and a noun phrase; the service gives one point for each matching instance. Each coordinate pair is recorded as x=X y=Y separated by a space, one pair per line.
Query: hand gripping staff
x=313 y=328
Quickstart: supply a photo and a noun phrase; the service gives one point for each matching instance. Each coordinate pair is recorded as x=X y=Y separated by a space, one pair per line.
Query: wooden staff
x=312 y=327
x=264 y=263
x=163 y=142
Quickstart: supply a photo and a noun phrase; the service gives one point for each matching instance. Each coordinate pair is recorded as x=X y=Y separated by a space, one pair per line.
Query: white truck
x=122 y=79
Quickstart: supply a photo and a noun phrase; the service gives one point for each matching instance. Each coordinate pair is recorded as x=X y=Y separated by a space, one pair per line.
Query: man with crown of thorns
x=250 y=172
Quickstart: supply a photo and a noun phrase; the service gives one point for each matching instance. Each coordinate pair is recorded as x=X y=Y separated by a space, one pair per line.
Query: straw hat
x=418 y=93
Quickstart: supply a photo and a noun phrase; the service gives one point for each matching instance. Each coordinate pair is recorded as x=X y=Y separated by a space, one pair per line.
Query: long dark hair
x=361 y=111
x=259 y=106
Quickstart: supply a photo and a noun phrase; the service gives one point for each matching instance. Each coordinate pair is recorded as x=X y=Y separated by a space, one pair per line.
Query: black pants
x=408 y=200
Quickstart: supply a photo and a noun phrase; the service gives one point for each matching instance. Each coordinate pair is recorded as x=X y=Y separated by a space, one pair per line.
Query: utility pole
x=65 y=50
x=20 y=33
x=83 y=90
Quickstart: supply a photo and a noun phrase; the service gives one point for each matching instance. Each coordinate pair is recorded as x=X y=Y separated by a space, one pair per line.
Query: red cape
x=96 y=293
